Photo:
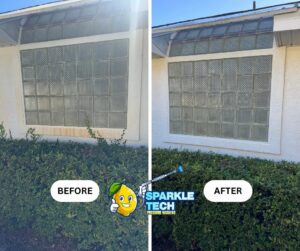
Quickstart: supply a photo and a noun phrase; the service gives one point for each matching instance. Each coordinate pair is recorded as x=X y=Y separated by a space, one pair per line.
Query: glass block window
x=75 y=84
x=94 y=19
x=227 y=98
x=236 y=36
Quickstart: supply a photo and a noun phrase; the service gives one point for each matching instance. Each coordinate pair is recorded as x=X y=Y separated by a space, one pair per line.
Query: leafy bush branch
x=28 y=168
x=121 y=141
x=31 y=134
x=3 y=133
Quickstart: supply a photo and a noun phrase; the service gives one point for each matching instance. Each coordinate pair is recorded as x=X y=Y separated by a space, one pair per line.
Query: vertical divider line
x=109 y=83
x=150 y=114
x=76 y=82
x=91 y=82
x=63 y=82
x=48 y=84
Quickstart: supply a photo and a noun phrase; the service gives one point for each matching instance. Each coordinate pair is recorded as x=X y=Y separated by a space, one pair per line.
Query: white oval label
x=75 y=191
x=228 y=191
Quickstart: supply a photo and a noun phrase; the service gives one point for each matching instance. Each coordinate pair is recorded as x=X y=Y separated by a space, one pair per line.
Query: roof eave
x=225 y=20
x=157 y=52
x=44 y=8
x=6 y=40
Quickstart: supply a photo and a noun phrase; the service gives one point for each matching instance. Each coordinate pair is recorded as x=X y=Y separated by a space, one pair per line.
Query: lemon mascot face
x=124 y=197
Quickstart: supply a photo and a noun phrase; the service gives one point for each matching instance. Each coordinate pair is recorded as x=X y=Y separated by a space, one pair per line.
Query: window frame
x=276 y=101
x=132 y=132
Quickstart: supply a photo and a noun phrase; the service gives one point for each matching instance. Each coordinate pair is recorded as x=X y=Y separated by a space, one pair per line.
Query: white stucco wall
x=289 y=134
x=10 y=103
x=11 y=96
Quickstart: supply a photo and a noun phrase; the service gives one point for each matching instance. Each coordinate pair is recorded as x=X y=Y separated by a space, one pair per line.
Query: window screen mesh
x=94 y=19
x=246 y=35
x=70 y=85
x=227 y=98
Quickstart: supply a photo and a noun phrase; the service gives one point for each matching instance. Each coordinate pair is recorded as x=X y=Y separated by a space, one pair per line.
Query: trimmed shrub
x=28 y=168
x=268 y=221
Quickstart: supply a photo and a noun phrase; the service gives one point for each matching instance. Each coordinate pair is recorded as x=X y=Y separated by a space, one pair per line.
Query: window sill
x=76 y=131
x=224 y=143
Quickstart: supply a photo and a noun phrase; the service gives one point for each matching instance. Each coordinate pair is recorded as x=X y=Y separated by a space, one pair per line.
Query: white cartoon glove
x=114 y=206
x=142 y=191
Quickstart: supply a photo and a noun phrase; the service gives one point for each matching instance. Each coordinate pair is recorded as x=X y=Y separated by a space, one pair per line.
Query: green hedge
x=29 y=168
x=268 y=221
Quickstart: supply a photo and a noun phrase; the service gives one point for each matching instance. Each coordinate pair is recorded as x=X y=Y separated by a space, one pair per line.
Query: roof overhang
x=157 y=53
x=287 y=29
x=160 y=44
x=9 y=31
x=44 y=7
x=11 y=22
x=286 y=25
x=221 y=19
x=6 y=40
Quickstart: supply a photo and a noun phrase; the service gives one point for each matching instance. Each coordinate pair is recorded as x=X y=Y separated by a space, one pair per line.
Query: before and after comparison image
x=149 y=125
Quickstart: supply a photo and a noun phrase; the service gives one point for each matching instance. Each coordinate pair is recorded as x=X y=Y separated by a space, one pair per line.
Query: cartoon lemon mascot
x=124 y=200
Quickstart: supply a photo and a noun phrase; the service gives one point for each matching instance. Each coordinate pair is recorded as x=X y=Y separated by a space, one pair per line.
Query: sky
x=168 y=11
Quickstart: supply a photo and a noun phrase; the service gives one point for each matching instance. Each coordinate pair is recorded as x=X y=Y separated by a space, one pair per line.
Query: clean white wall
x=291 y=107
x=290 y=132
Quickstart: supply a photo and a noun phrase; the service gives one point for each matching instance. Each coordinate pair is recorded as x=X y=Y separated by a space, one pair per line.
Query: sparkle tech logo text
x=165 y=202
x=124 y=200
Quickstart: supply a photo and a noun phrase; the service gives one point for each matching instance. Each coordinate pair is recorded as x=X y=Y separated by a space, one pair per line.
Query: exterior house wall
x=285 y=86
x=12 y=102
